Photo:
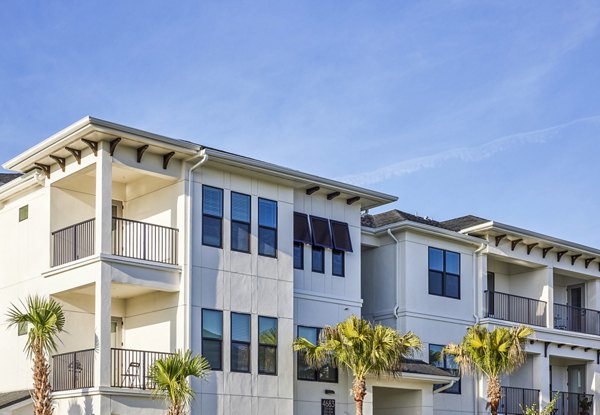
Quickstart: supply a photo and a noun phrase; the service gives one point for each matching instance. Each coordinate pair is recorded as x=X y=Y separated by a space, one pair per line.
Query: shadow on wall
x=76 y=409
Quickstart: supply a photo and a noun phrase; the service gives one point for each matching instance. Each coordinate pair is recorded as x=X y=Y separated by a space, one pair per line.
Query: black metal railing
x=515 y=308
x=73 y=242
x=581 y=320
x=130 y=238
x=515 y=400
x=573 y=403
x=131 y=368
x=140 y=240
x=74 y=370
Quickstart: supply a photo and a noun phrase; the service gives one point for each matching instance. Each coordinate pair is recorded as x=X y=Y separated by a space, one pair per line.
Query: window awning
x=301 y=228
x=321 y=232
x=341 y=236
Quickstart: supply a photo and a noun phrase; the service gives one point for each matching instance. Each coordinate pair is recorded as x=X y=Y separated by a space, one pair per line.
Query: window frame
x=24 y=213
x=317 y=372
x=335 y=252
x=323 y=244
x=248 y=343
x=262 y=346
x=300 y=247
x=209 y=339
x=275 y=229
x=444 y=273
x=449 y=369
x=249 y=223
x=211 y=216
x=334 y=224
x=312 y=259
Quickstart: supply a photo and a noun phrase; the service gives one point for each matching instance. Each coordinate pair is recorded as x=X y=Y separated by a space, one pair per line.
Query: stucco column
x=103 y=306
x=103 y=199
x=548 y=297
x=541 y=378
x=592 y=382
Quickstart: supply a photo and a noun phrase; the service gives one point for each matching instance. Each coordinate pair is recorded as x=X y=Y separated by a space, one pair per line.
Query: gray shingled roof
x=464 y=222
x=7 y=177
x=396 y=216
x=420 y=367
x=10 y=398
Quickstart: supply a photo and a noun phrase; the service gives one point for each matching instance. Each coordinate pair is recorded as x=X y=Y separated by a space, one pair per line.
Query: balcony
x=515 y=308
x=130 y=369
x=573 y=403
x=130 y=238
x=514 y=400
x=581 y=320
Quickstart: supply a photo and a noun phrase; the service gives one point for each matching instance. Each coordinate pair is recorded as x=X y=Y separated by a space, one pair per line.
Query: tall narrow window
x=305 y=372
x=446 y=362
x=444 y=273
x=267 y=345
x=212 y=338
x=23 y=213
x=337 y=263
x=240 y=222
x=212 y=216
x=240 y=342
x=318 y=259
x=341 y=236
x=298 y=255
x=267 y=227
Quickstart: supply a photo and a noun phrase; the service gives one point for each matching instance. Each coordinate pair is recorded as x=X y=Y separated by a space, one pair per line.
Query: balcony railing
x=129 y=369
x=130 y=238
x=514 y=400
x=515 y=308
x=573 y=403
x=581 y=320
x=74 y=370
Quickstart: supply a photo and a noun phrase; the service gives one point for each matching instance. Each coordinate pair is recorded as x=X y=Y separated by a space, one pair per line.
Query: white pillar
x=541 y=378
x=548 y=296
x=103 y=307
x=103 y=199
x=592 y=382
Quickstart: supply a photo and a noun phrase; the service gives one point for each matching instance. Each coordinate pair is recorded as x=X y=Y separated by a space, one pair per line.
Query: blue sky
x=457 y=107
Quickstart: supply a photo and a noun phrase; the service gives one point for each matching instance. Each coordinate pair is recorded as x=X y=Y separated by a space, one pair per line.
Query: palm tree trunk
x=359 y=390
x=494 y=394
x=41 y=383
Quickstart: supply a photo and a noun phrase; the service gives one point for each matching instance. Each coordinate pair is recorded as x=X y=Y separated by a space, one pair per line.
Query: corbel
x=574 y=258
x=559 y=255
x=312 y=190
x=514 y=243
x=588 y=261
x=167 y=158
x=44 y=168
x=333 y=195
x=530 y=247
x=75 y=153
x=546 y=250
x=60 y=161
x=352 y=200
x=113 y=145
x=499 y=238
x=140 y=152
x=91 y=144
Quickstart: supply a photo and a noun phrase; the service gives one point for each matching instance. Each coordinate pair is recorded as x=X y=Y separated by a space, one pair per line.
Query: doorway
x=576 y=303
x=116 y=332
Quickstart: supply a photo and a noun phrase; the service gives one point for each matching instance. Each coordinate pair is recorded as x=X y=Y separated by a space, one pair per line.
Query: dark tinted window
x=301 y=228
x=267 y=345
x=212 y=216
x=240 y=342
x=341 y=236
x=444 y=273
x=240 y=222
x=337 y=263
x=321 y=232
x=305 y=372
x=267 y=227
x=318 y=259
x=446 y=362
x=212 y=337
x=298 y=255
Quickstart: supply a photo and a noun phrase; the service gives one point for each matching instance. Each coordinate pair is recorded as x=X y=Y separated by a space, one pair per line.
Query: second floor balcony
x=578 y=319
x=130 y=238
x=514 y=400
x=515 y=308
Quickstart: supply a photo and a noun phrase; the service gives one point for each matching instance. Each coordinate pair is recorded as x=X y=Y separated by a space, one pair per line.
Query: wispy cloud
x=466 y=154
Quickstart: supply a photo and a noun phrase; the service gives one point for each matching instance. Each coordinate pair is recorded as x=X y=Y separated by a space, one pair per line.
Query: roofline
x=88 y=124
x=491 y=225
x=419 y=376
x=19 y=184
x=262 y=166
x=408 y=224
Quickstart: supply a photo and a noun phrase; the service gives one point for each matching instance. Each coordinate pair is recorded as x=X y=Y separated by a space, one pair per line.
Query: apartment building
x=153 y=244
x=438 y=278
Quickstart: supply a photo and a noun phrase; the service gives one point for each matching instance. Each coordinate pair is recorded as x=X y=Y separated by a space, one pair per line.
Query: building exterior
x=153 y=244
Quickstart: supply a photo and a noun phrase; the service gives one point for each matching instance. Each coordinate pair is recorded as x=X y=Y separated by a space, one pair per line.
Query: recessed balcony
x=515 y=308
x=578 y=319
x=130 y=239
x=573 y=403
x=515 y=399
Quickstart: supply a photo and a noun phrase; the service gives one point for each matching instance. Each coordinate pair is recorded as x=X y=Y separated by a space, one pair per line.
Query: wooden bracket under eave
x=166 y=158
x=76 y=153
x=559 y=255
x=140 y=152
x=44 y=168
x=499 y=238
x=333 y=195
x=514 y=243
x=352 y=200
x=60 y=161
x=574 y=258
x=546 y=250
x=312 y=190
x=113 y=145
x=530 y=247
x=588 y=261
x=91 y=144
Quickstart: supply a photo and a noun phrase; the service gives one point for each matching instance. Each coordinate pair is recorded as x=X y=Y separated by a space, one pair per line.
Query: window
x=267 y=345
x=212 y=216
x=301 y=228
x=446 y=362
x=298 y=255
x=212 y=337
x=240 y=222
x=23 y=213
x=337 y=263
x=321 y=232
x=240 y=342
x=318 y=259
x=305 y=372
x=22 y=329
x=341 y=236
x=267 y=227
x=444 y=273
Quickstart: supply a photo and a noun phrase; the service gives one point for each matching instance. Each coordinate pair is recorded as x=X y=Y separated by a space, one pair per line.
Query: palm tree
x=44 y=319
x=170 y=377
x=492 y=353
x=360 y=347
